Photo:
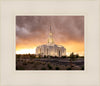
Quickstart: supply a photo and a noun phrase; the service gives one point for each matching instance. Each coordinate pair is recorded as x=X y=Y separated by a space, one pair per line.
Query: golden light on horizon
x=26 y=51
x=75 y=47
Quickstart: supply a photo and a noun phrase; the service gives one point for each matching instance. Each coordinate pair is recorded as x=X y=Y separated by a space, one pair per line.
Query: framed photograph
x=39 y=39
x=49 y=43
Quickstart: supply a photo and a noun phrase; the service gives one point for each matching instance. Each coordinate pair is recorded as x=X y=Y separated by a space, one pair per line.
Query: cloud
x=35 y=29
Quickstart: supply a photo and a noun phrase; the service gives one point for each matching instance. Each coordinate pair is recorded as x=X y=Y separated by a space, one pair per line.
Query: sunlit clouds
x=32 y=31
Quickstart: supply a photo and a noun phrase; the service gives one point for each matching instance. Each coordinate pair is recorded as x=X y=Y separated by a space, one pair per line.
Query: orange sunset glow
x=32 y=31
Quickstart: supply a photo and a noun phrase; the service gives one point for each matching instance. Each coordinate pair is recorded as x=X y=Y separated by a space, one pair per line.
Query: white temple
x=51 y=49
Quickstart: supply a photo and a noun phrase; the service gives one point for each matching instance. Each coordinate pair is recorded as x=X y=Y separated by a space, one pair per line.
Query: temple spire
x=50 y=39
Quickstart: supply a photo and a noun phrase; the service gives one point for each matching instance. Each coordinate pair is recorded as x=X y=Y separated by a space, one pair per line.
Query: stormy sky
x=32 y=31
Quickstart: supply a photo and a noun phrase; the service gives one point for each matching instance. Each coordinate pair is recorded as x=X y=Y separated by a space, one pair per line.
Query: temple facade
x=51 y=49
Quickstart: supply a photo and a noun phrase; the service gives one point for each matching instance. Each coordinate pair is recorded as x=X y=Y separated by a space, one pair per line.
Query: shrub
x=31 y=62
x=19 y=68
x=43 y=68
x=18 y=56
x=77 y=56
x=55 y=56
x=63 y=56
x=45 y=56
x=24 y=63
x=49 y=67
x=68 y=68
x=57 y=68
x=82 y=68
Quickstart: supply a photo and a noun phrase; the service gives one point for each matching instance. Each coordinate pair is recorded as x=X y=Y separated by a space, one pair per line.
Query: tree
x=63 y=56
x=49 y=66
x=39 y=55
x=18 y=56
x=77 y=56
x=45 y=56
x=72 y=58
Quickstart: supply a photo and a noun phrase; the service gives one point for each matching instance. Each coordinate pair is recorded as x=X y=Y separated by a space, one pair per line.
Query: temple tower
x=50 y=39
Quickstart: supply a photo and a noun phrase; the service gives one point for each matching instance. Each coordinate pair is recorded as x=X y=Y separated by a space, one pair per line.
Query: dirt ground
x=49 y=64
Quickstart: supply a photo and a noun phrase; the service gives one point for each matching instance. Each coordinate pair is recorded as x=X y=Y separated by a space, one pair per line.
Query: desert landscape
x=31 y=62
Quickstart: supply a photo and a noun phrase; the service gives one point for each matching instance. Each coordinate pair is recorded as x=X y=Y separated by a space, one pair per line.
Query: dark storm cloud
x=36 y=28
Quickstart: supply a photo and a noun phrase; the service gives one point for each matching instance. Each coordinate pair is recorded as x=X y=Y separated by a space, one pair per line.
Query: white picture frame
x=8 y=74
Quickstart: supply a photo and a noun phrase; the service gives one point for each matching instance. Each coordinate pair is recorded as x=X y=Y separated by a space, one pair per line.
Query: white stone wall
x=51 y=50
